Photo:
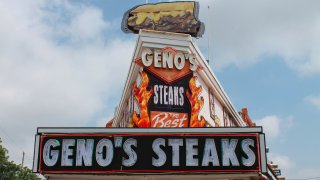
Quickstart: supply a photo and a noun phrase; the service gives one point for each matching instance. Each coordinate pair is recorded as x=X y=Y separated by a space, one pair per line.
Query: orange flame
x=142 y=95
x=196 y=103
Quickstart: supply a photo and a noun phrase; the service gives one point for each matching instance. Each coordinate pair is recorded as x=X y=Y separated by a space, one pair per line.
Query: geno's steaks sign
x=149 y=150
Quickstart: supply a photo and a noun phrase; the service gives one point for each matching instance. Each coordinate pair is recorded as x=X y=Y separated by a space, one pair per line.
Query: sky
x=64 y=64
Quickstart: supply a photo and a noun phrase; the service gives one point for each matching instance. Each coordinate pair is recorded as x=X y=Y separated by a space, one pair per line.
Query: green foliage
x=11 y=171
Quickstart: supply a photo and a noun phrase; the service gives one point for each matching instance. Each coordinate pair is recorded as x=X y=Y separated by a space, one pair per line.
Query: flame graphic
x=131 y=123
x=142 y=95
x=196 y=103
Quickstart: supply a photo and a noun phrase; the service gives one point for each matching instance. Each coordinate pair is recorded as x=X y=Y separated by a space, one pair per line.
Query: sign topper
x=181 y=17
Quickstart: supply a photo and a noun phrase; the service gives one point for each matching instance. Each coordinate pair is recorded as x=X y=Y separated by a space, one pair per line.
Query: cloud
x=56 y=69
x=243 y=33
x=71 y=23
x=313 y=100
x=290 y=169
x=283 y=162
x=271 y=126
x=274 y=126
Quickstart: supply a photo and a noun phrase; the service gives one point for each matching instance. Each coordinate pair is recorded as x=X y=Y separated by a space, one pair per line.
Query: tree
x=11 y=171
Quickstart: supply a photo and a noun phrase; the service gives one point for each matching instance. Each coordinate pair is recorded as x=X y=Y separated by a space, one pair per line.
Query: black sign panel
x=101 y=153
x=169 y=98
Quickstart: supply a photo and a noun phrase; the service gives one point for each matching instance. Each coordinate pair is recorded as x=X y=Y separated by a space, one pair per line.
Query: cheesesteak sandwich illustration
x=179 y=17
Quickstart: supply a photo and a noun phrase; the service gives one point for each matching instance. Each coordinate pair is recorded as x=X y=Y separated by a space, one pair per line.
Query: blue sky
x=64 y=63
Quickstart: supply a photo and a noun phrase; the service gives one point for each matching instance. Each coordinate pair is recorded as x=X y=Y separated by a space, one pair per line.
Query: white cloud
x=271 y=126
x=274 y=126
x=283 y=162
x=314 y=100
x=81 y=26
x=75 y=24
x=56 y=69
x=243 y=32
x=290 y=169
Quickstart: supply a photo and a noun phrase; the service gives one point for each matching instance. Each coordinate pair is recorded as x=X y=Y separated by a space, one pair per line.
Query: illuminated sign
x=168 y=64
x=122 y=151
x=167 y=95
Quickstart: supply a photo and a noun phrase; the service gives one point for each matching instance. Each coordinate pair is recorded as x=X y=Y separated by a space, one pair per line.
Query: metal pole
x=208 y=60
x=22 y=158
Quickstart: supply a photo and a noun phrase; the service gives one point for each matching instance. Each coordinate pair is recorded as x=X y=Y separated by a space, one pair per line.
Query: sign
x=168 y=64
x=167 y=94
x=157 y=151
x=168 y=119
